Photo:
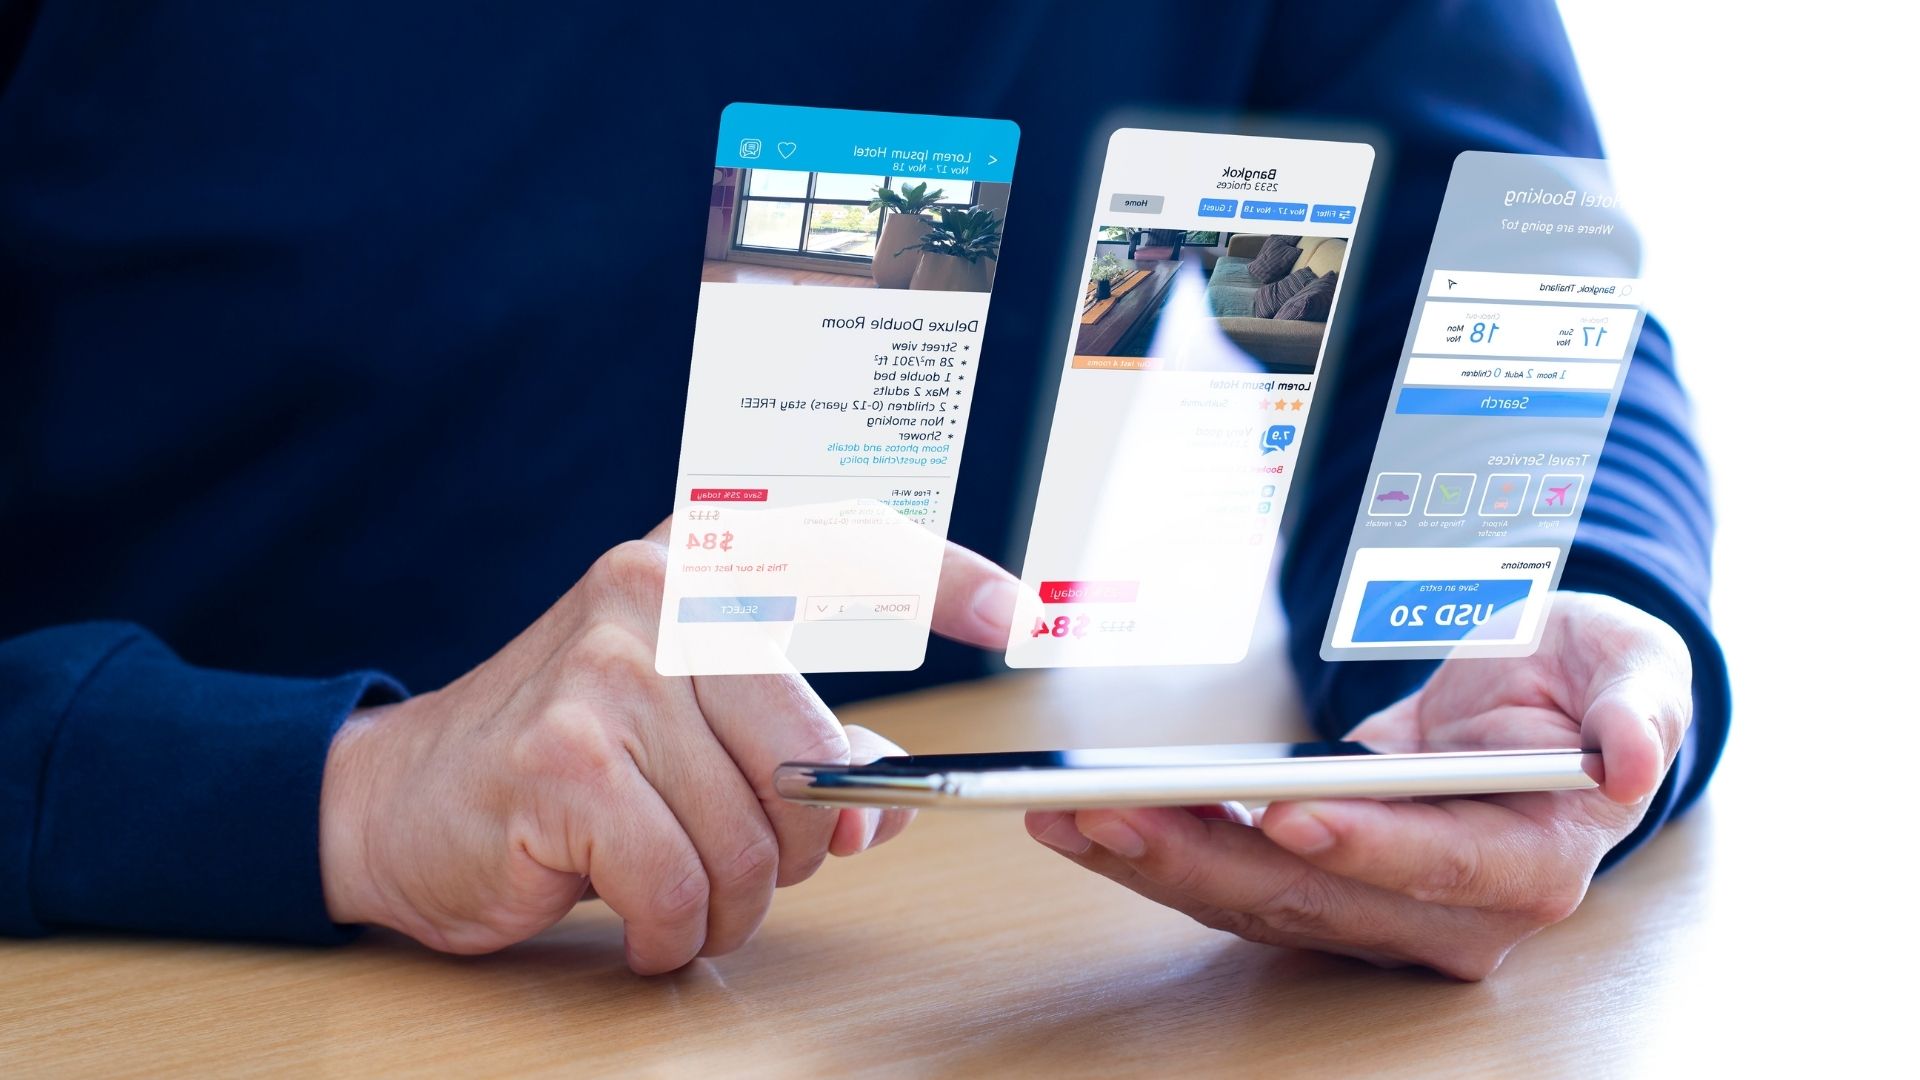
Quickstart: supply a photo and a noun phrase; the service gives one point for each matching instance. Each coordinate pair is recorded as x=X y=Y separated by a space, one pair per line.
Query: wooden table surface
x=1100 y=338
x=961 y=948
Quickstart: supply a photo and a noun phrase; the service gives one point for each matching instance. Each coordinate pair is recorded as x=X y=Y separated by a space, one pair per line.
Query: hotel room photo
x=849 y=230
x=1269 y=296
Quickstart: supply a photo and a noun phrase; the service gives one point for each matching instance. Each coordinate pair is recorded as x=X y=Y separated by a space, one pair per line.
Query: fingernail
x=1299 y=830
x=1062 y=835
x=1118 y=837
x=870 y=820
x=993 y=604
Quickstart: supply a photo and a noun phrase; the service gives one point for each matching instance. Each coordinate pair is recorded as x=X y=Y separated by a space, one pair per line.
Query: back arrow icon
x=991 y=160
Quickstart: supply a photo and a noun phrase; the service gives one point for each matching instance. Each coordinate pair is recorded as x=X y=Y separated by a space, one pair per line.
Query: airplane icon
x=1557 y=496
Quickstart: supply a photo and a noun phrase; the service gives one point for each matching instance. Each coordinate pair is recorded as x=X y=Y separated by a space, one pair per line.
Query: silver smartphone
x=1182 y=776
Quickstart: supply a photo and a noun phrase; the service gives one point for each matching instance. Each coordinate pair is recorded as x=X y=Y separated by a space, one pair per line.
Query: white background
x=1768 y=153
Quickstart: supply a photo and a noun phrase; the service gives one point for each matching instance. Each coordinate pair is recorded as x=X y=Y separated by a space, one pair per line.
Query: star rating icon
x=1282 y=406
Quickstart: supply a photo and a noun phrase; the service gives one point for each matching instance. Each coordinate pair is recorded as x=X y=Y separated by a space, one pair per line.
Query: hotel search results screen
x=1506 y=387
x=849 y=261
x=1213 y=270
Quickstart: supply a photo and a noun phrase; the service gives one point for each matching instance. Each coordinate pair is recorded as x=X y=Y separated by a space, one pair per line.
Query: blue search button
x=1218 y=207
x=1402 y=611
x=1274 y=211
x=737 y=608
x=1433 y=401
x=1332 y=215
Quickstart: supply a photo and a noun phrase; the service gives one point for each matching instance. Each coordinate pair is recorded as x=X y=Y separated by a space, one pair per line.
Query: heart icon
x=786 y=149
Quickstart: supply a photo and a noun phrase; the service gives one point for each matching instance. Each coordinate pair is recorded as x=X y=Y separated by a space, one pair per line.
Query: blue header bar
x=909 y=146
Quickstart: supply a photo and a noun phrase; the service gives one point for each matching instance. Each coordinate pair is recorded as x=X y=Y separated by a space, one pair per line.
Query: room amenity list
x=824 y=424
x=1506 y=388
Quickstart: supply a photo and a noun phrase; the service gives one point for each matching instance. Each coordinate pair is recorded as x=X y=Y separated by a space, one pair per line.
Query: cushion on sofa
x=1313 y=303
x=1325 y=257
x=1275 y=260
x=1273 y=294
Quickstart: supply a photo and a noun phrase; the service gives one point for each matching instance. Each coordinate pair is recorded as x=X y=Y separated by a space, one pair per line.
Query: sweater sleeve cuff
x=179 y=800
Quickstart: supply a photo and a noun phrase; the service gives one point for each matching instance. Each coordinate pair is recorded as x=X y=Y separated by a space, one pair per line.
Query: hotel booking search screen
x=1213 y=271
x=849 y=261
x=1507 y=384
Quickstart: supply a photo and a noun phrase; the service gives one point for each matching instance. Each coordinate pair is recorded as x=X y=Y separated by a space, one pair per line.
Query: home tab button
x=1137 y=204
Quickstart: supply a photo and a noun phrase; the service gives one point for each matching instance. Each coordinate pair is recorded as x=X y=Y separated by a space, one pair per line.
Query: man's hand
x=1453 y=884
x=477 y=815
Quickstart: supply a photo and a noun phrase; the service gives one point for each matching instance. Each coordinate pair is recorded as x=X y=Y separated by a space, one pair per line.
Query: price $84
x=1078 y=626
x=710 y=541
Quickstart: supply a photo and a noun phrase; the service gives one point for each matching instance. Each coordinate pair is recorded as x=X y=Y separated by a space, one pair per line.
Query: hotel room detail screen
x=1213 y=271
x=842 y=307
x=1507 y=383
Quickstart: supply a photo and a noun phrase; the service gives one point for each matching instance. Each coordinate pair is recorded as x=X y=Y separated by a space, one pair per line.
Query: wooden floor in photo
x=740 y=273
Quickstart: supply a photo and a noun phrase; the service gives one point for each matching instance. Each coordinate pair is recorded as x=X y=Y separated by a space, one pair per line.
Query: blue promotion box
x=702 y=609
x=908 y=145
x=1440 y=610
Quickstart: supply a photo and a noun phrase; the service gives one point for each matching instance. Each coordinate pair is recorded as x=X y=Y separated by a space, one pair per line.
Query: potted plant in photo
x=1107 y=271
x=898 y=253
x=957 y=253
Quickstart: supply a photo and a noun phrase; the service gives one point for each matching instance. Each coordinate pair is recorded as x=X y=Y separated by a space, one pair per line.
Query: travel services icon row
x=1502 y=495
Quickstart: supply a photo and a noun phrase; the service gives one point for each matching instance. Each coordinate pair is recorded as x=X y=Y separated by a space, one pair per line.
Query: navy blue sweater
x=336 y=340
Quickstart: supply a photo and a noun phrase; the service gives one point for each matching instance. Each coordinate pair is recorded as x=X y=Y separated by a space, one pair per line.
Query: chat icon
x=1277 y=438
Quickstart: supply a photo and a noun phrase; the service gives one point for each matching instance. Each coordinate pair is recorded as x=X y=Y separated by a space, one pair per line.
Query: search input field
x=1487 y=285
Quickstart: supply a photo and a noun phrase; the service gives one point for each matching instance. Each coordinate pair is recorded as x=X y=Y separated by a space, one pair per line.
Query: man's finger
x=1230 y=877
x=716 y=808
x=1637 y=728
x=764 y=720
x=1045 y=826
x=975 y=601
x=643 y=866
x=865 y=746
x=1467 y=853
x=1217 y=862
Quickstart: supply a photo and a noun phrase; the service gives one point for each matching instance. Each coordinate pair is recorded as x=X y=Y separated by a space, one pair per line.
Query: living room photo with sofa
x=1268 y=296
